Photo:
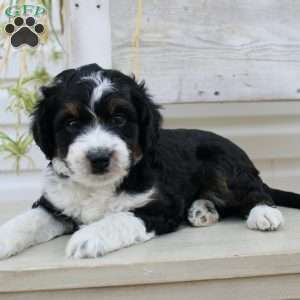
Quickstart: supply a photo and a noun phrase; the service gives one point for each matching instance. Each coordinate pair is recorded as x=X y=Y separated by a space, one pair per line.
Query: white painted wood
x=26 y=185
x=225 y=259
x=253 y=288
x=87 y=32
x=207 y=50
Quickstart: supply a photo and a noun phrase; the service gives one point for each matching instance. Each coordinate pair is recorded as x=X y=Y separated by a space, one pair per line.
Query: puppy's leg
x=203 y=213
x=30 y=228
x=113 y=232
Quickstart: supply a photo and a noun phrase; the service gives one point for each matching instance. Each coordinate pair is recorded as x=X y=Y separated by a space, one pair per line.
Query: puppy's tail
x=283 y=198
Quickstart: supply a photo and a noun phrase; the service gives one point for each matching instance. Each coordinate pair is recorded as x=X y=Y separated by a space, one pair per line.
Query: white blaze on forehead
x=103 y=85
x=99 y=138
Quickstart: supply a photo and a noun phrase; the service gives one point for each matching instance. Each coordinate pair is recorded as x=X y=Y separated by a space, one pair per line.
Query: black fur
x=183 y=165
x=57 y=214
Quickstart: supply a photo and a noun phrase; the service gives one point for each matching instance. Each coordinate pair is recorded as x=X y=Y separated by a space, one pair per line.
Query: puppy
x=115 y=178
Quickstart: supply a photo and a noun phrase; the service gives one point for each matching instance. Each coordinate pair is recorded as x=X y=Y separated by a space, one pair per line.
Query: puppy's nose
x=99 y=160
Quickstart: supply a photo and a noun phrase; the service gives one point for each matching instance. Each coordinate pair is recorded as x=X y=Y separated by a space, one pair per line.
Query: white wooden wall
x=208 y=50
x=88 y=41
x=202 y=51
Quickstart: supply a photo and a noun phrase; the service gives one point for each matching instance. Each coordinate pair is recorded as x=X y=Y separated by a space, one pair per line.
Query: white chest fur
x=89 y=204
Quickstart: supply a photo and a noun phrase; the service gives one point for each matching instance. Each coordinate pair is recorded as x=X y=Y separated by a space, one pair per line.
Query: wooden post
x=87 y=32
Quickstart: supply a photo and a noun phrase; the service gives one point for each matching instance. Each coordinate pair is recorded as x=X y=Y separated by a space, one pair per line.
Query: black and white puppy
x=116 y=178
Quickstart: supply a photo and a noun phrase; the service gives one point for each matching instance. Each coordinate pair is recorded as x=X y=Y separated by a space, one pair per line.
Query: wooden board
x=225 y=251
x=269 y=287
x=87 y=32
x=207 y=50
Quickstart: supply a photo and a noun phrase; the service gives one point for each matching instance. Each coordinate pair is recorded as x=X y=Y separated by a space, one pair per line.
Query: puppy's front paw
x=85 y=244
x=3 y=251
x=265 y=218
x=7 y=250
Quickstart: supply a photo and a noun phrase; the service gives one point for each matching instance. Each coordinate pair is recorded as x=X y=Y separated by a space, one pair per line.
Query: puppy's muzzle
x=99 y=160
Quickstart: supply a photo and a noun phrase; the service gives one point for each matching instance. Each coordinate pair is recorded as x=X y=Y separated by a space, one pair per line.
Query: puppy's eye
x=118 y=121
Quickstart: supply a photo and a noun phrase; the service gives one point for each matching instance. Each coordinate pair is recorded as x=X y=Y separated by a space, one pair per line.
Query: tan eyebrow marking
x=136 y=152
x=72 y=109
x=113 y=104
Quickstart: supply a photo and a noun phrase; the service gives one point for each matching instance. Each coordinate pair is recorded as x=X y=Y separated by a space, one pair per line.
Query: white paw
x=3 y=252
x=85 y=244
x=7 y=249
x=203 y=213
x=113 y=232
x=265 y=218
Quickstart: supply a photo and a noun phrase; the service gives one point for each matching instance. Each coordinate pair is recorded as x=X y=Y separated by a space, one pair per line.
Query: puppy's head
x=97 y=122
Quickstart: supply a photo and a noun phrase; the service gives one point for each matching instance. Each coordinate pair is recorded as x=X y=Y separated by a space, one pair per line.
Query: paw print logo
x=24 y=31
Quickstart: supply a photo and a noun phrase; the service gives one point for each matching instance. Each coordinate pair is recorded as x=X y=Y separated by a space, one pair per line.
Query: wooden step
x=225 y=260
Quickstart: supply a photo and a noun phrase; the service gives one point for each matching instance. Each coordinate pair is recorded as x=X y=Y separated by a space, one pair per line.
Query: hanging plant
x=23 y=93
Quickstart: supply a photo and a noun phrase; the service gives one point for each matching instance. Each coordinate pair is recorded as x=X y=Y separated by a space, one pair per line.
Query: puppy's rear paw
x=265 y=218
x=203 y=213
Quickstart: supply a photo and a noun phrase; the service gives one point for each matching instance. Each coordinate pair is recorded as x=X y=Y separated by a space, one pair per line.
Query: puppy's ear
x=41 y=126
x=149 y=117
x=44 y=112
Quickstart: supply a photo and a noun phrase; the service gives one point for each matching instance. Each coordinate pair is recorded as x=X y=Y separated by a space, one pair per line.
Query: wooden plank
x=271 y=287
x=87 y=35
x=206 y=50
x=227 y=250
x=17 y=187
